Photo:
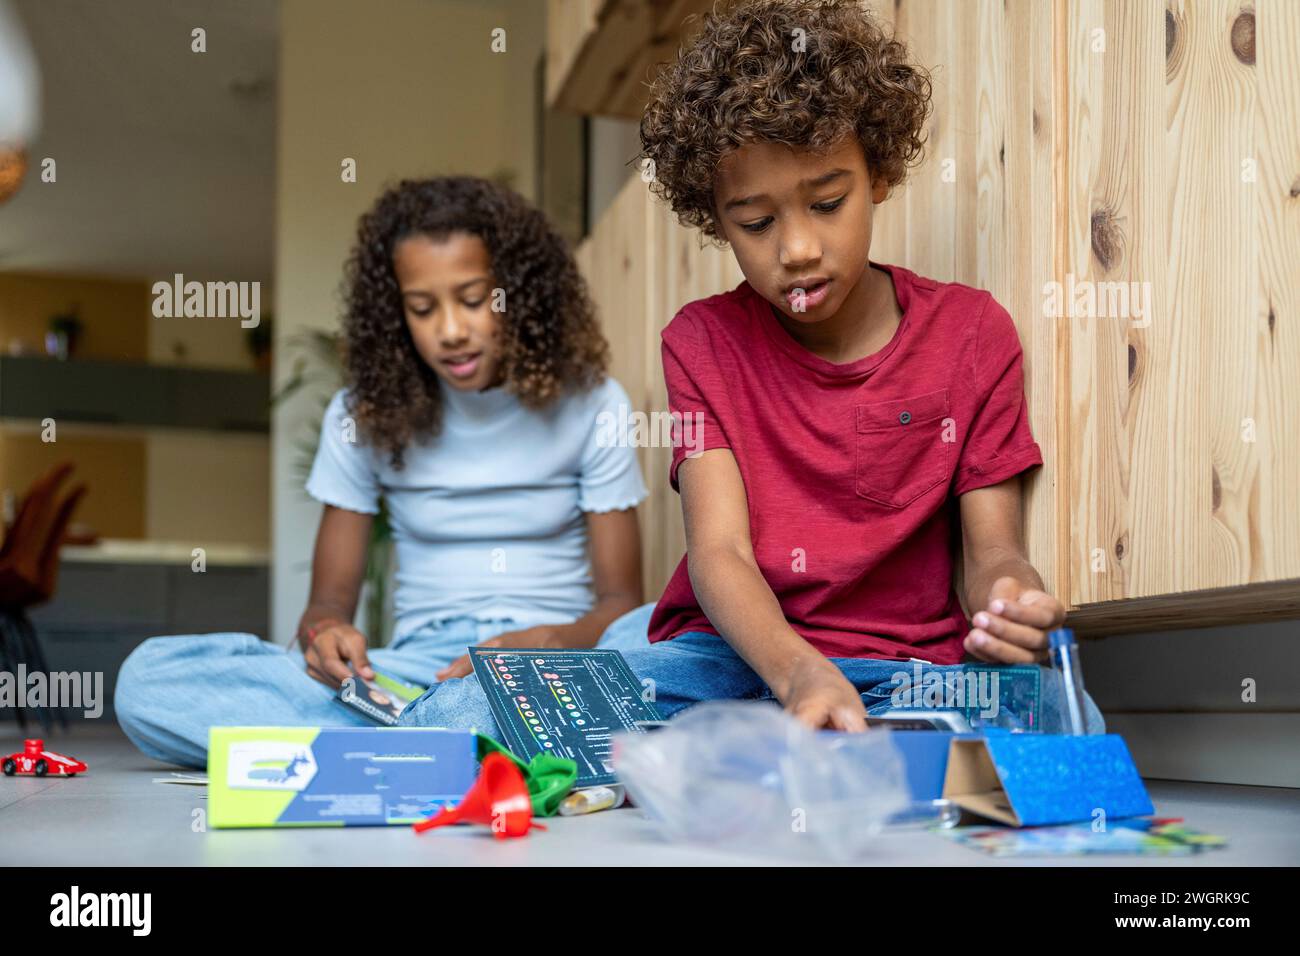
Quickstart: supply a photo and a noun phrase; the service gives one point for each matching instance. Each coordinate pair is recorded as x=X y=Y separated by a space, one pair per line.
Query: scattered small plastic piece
x=35 y=760
x=186 y=779
x=1137 y=836
x=591 y=799
x=499 y=799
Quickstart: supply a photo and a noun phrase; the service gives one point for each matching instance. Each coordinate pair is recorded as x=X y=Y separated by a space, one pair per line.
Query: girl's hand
x=547 y=635
x=335 y=646
x=1013 y=628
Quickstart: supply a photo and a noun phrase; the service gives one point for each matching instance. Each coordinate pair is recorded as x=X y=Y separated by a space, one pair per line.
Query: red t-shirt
x=852 y=471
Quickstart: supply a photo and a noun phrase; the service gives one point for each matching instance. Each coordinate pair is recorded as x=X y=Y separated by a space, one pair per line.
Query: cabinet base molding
x=1243 y=604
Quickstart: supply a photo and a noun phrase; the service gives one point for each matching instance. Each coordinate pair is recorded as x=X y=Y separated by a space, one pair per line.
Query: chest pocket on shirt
x=900 y=453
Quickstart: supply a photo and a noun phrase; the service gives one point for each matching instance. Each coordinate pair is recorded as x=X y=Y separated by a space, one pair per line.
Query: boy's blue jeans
x=695 y=667
x=172 y=689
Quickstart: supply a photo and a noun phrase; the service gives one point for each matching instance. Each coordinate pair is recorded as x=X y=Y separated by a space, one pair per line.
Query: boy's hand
x=820 y=697
x=1013 y=628
x=336 y=645
x=546 y=635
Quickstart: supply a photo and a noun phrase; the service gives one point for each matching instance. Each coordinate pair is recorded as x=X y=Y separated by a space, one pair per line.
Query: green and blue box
x=335 y=776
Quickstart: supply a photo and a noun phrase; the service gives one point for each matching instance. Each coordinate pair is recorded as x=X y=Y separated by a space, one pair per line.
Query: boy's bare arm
x=739 y=602
x=1010 y=610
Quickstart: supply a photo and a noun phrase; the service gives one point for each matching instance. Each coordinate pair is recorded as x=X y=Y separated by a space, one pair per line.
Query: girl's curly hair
x=551 y=340
x=799 y=72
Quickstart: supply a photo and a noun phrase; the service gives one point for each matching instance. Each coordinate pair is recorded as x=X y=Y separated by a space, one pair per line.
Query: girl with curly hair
x=851 y=410
x=477 y=407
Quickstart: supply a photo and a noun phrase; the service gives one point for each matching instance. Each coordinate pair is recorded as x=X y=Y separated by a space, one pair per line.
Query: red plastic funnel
x=499 y=799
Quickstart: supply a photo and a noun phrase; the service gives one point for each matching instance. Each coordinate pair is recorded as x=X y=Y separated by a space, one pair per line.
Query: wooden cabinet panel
x=601 y=53
x=221 y=400
x=233 y=599
x=83 y=391
x=984 y=207
x=1184 y=418
x=642 y=267
x=102 y=611
x=97 y=652
x=107 y=595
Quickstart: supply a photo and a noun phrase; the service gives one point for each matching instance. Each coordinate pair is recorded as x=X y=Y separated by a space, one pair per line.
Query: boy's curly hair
x=551 y=340
x=745 y=79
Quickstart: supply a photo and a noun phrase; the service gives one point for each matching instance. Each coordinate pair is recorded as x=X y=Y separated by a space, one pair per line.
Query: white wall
x=409 y=88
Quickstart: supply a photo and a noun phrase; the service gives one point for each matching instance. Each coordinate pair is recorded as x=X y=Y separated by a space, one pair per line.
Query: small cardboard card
x=1040 y=779
x=371 y=699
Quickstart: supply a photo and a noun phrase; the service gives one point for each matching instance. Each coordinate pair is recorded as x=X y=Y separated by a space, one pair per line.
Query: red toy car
x=34 y=758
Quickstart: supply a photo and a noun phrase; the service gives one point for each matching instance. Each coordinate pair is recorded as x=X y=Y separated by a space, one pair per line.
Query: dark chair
x=29 y=568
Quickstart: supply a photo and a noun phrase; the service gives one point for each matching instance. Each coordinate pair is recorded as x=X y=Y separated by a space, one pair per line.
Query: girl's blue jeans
x=171 y=690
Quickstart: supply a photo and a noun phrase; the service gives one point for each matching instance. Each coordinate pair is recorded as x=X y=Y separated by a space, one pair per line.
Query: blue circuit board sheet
x=566 y=702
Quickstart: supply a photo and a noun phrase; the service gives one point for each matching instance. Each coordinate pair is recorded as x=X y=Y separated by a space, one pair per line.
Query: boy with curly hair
x=847 y=410
x=845 y=413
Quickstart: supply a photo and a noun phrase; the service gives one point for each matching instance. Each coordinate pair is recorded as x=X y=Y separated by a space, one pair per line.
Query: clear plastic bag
x=749 y=776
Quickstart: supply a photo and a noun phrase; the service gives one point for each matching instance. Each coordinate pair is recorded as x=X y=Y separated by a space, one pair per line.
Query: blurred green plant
x=317 y=373
x=259 y=338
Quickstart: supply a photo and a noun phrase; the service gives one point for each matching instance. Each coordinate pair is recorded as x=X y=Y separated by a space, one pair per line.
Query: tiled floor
x=115 y=815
